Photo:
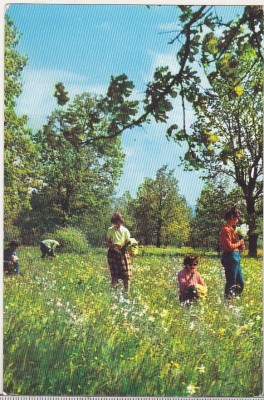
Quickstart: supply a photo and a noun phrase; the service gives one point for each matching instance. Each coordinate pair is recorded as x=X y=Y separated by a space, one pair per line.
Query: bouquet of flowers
x=201 y=290
x=132 y=246
x=242 y=231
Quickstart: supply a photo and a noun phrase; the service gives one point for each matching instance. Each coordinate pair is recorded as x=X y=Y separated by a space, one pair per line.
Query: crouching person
x=191 y=285
x=11 y=266
x=118 y=257
x=48 y=247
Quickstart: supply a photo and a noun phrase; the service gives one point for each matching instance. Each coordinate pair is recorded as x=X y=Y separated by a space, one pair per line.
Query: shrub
x=73 y=240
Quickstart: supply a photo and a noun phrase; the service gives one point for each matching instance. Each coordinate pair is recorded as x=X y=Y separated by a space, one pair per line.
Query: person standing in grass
x=231 y=246
x=191 y=285
x=11 y=266
x=118 y=256
x=47 y=247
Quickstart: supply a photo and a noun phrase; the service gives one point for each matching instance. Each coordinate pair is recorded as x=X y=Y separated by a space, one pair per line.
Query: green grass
x=66 y=332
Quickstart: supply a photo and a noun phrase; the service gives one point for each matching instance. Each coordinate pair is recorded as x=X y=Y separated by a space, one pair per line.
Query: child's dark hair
x=117 y=217
x=13 y=244
x=191 y=259
x=233 y=212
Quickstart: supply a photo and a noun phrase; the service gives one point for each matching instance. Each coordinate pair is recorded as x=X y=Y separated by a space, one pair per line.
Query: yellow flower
x=164 y=313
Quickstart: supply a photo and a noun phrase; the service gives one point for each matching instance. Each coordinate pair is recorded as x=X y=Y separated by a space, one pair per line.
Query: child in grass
x=191 y=284
x=11 y=266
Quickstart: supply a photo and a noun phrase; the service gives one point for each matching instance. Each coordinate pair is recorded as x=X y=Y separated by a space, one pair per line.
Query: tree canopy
x=161 y=214
x=20 y=168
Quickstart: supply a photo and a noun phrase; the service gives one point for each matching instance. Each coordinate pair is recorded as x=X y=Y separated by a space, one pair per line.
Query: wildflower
x=191 y=389
x=58 y=304
x=164 y=313
x=191 y=327
x=242 y=230
x=201 y=369
x=151 y=319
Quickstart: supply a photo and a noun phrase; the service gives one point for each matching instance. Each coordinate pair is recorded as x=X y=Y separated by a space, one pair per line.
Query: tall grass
x=66 y=332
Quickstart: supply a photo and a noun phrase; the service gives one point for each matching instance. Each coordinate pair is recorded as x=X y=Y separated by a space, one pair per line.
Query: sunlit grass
x=67 y=332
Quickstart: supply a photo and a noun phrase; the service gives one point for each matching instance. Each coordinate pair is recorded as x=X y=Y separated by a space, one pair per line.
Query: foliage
x=227 y=137
x=19 y=153
x=77 y=179
x=71 y=239
x=215 y=199
x=74 y=335
x=126 y=206
x=61 y=94
x=161 y=214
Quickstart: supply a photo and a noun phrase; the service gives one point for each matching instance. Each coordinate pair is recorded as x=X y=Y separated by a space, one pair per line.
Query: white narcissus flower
x=191 y=327
x=201 y=369
x=191 y=389
x=242 y=230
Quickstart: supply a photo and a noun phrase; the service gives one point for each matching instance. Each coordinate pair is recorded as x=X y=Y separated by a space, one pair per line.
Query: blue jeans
x=233 y=270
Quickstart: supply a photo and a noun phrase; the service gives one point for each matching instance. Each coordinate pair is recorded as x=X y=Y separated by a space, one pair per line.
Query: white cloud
x=170 y=26
x=162 y=60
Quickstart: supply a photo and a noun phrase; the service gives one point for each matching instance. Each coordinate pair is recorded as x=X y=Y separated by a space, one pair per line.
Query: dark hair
x=13 y=244
x=190 y=259
x=117 y=217
x=233 y=212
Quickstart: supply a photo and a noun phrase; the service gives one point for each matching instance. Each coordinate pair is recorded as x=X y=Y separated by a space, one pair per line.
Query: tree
x=126 y=206
x=161 y=214
x=78 y=180
x=227 y=137
x=215 y=199
x=20 y=170
x=232 y=62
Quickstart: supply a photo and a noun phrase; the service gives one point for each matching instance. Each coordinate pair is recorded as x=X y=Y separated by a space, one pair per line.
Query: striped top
x=228 y=239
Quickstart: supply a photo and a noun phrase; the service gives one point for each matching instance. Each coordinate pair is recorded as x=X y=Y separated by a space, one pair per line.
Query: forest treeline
x=66 y=173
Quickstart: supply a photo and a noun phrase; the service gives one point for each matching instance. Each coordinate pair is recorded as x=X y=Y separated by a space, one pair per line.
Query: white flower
x=201 y=369
x=191 y=389
x=191 y=327
x=242 y=230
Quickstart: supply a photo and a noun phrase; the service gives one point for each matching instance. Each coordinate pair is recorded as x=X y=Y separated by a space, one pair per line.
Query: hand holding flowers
x=241 y=232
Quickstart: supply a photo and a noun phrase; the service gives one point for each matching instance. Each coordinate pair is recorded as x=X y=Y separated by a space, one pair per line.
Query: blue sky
x=82 y=46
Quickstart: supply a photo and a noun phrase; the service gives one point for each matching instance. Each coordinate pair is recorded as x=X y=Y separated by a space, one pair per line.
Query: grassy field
x=66 y=332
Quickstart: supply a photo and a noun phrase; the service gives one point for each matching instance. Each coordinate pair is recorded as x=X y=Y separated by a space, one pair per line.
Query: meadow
x=66 y=332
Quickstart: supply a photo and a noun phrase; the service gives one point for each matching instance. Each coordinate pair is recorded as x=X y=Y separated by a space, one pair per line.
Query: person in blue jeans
x=231 y=246
x=11 y=266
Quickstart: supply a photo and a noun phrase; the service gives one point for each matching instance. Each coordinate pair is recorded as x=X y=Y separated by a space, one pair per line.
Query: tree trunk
x=158 y=243
x=252 y=245
x=252 y=235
